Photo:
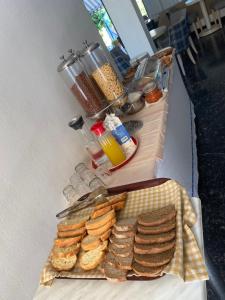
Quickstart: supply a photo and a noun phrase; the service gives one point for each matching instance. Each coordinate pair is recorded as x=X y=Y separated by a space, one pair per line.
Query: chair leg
x=192 y=44
x=199 y=24
x=215 y=17
x=180 y=61
x=191 y=56
x=219 y=18
x=195 y=30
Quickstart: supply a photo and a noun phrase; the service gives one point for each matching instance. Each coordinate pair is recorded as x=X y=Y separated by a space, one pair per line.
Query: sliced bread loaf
x=123 y=234
x=158 y=216
x=147 y=271
x=66 y=242
x=125 y=224
x=90 y=242
x=99 y=231
x=155 y=238
x=72 y=224
x=121 y=243
x=64 y=264
x=113 y=274
x=100 y=221
x=153 y=249
x=71 y=233
x=120 y=252
x=165 y=227
x=154 y=260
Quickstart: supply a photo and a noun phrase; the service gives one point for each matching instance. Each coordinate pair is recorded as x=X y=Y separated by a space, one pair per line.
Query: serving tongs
x=84 y=201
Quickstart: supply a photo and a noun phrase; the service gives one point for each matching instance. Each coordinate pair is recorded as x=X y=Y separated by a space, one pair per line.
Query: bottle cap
x=98 y=128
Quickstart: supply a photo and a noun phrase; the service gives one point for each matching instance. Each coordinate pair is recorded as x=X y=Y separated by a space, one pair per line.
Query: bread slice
x=102 y=204
x=147 y=271
x=100 y=212
x=103 y=246
x=110 y=259
x=125 y=224
x=64 y=264
x=120 y=252
x=158 y=216
x=123 y=234
x=118 y=198
x=165 y=227
x=102 y=229
x=125 y=263
x=66 y=251
x=91 y=259
x=100 y=221
x=72 y=224
x=71 y=233
x=153 y=249
x=90 y=242
x=155 y=238
x=121 y=243
x=119 y=205
x=154 y=260
x=113 y=274
x=66 y=242
x=105 y=236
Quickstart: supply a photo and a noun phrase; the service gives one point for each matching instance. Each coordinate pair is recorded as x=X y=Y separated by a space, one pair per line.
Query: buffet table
x=171 y=153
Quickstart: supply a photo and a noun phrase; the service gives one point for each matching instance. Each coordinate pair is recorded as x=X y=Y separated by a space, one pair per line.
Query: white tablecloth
x=165 y=288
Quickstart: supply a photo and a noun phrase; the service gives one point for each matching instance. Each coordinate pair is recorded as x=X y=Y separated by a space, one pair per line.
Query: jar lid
x=149 y=87
x=98 y=128
x=67 y=62
x=77 y=122
x=90 y=47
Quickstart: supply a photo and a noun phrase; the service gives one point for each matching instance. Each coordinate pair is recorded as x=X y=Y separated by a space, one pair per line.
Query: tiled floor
x=206 y=86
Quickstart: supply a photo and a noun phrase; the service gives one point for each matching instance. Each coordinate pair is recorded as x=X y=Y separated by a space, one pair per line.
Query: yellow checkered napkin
x=187 y=262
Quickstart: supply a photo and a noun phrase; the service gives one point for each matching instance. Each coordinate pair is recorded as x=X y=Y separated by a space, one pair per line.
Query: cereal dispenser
x=81 y=85
x=98 y=66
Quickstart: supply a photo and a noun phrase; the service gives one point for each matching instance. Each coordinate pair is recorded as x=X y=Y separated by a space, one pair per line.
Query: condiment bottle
x=91 y=144
x=81 y=85
x=152 y=92
x=98 y=66
x=108 y=143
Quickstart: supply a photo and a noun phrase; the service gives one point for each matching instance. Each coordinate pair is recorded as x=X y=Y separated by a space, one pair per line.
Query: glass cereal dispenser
x=100 y=69
x=81 y=85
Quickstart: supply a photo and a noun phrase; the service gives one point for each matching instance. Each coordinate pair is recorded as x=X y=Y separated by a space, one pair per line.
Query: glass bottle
x=91 y=144
x=108 y=143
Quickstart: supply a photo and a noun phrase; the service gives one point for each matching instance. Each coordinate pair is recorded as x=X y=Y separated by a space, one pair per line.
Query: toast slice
x=123 y=234
x=120 y=252
x=66 y=242
x=105 y=236
x=100 y=212
x=100 y=221
x=64 y=264
x=147 y=271
x=155 y=238
x=102 y=229
x=91 y=259
x=102 y=204
x=118 y=198
x=153 y=249
x=103 y=246
x=71 y=233
x=165 y=227
x=72 y=224
x=119 y=205
x=66 y=251
x=157 y=217
x=121 y=243
x=90 y=242
x=154 y=260
x=113 y=274
x=125 y=224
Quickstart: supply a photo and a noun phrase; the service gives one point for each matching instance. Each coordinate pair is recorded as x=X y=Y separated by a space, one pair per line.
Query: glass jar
x=103 y=73
x=109 y=144
x=152 y=93
x=81 y=85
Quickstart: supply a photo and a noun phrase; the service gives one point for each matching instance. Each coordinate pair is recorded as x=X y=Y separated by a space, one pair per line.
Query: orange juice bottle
x=108 y=143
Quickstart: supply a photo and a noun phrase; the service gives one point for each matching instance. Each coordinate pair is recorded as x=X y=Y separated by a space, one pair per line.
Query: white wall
x=130 y=25
x=38 y=150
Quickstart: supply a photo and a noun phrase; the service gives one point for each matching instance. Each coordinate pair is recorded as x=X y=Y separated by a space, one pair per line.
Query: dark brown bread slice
x=147 y=271
x=121 y=243
x=124 y=263
x=155 y=238
x=154 y=260
x=158 y=216
x=123 y=234
x=114 y=274
x=153 y=249
x=157 y=229
x=123 y=252
x=110 y=259
x=125 y=224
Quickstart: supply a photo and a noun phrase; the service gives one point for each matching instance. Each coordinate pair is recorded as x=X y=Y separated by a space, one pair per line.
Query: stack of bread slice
x=118 y=260
x=67 y=244
x=154 y=241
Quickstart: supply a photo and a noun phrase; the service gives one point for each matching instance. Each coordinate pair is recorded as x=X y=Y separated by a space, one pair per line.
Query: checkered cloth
x=178 y=35
x=187 y=263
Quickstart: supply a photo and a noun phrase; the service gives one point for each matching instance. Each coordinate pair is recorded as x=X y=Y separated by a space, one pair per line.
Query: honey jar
x=152 y=92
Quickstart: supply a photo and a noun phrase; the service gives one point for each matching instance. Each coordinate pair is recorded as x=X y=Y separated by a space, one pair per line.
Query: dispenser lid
x=67 y=62
x=98 y=128
x=77 y=122
x=90 y=47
